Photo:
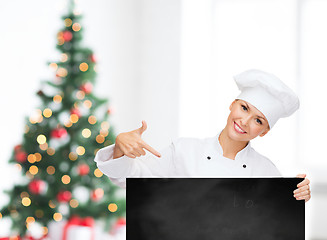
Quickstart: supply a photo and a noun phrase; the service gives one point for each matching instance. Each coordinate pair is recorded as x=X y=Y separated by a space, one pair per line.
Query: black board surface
x=214 y=208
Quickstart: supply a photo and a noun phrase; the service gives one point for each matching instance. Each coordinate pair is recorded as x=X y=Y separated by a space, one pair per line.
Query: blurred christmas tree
x=56 y=156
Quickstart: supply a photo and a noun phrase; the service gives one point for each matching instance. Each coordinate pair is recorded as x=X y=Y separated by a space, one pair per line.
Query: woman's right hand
x=132 y=145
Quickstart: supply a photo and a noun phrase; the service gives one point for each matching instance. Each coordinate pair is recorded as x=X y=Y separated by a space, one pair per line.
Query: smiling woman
x=263 y=100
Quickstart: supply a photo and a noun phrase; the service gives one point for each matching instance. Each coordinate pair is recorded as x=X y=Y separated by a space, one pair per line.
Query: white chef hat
x=268 y=94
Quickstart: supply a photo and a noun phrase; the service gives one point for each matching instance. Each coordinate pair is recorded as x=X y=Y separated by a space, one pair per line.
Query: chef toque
x=268 y=94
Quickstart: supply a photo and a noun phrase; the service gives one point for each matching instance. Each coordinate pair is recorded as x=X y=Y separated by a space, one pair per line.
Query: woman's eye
x=244 y=108
x=259 y=121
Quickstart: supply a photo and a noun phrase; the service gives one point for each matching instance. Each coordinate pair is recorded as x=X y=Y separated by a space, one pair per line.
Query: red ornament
x=59 y=133
x=87 y=87
x=121 y=222
x=83 y=169
x=92 y=58
x=18 y=147
x=64 y=196
x=97 y=194
x=21 y=156
x=37 y=186
x=67 y=36
x=75 y=111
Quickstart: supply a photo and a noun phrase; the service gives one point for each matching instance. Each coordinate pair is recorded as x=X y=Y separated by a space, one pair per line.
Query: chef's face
x=245 y=122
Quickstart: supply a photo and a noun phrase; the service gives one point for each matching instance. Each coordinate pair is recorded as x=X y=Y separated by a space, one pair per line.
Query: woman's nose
x=245 y=120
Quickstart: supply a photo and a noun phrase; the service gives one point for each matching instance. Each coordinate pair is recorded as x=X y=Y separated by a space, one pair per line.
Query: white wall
x=147 y=50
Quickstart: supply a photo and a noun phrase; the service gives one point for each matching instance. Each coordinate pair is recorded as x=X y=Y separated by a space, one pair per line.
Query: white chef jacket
x=186 y=157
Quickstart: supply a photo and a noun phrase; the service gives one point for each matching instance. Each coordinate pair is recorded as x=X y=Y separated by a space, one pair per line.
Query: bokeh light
x=68 y=22
x=112 y=207
x=57 y=217
x=86 y=133
x=31 y=158
x=73 y=203
x=72 y=156
x=80 y=150
x=47 y=112
x=57 y=99
x=98 y=173
x=76 y=27
x=51 y=151
x=38 y=157
x=74 y=118
x=100 y=139
x=33 y=170
x=51 y=170
x=80 y=95
x=87 y=103
x=92 y=119
x=41 y=139
x=65 y=179
x=62 y=72
x=83 y=67
x=26 y=201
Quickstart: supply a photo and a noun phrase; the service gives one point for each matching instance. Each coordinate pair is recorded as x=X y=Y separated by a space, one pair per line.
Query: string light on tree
x=87 y=103
x=31 y=158
x=112 y=207
x=98 y=173
x=76 y=27
x=62 y=72
x=53 y=66
x=51 y=170
x=47 y=112
x=68 y=22
x=86 y=133
x=80 y=95
x=83 y=67
x=80 y=150
x=64 y=57
x=73 y=156
x=57 y=217
x=33 y=170
x=51 y=151
x=92 y=119
x=41 y=139
x=65 y=179
x=26 y=201
x=57 y=99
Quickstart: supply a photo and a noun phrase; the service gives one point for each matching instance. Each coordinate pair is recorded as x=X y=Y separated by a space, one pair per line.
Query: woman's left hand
x=303 y=189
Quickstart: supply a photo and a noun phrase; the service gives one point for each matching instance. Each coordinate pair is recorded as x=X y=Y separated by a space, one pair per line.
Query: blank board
x=214 y=208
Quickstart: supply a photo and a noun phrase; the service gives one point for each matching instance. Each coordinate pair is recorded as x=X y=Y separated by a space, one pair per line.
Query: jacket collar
x=239 y=155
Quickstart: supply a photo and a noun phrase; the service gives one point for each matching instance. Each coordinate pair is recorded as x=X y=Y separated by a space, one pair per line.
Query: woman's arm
x=123 y=159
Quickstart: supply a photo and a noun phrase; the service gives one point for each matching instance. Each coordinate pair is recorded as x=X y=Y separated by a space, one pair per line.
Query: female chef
x=262 y=101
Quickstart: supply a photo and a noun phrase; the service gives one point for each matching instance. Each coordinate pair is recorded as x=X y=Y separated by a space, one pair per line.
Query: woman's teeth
x=238 y=128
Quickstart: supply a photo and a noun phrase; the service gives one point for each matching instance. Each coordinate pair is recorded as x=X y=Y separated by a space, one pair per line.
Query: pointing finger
x=150 y=149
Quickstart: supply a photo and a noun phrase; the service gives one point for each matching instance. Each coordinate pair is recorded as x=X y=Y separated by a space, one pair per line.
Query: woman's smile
x=238 y=128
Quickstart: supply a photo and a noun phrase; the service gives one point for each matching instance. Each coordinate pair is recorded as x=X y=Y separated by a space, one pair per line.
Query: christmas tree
x=56 y=155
